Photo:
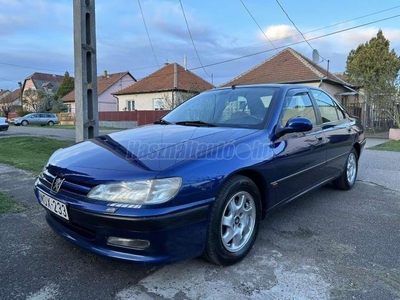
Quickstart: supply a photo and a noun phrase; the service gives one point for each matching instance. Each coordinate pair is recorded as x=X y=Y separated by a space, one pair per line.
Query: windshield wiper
x=162 y=122
x=195 y=123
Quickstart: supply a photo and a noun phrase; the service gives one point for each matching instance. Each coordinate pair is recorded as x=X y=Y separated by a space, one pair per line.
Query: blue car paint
x=204 y=157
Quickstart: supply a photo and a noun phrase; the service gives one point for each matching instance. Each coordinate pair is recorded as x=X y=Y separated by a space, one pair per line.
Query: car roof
x=272 y=85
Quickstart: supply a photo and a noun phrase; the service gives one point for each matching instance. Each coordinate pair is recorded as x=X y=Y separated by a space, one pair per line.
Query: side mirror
x=296 y=125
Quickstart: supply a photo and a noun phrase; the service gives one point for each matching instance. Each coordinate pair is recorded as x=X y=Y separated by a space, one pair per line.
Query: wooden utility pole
x=86 y=102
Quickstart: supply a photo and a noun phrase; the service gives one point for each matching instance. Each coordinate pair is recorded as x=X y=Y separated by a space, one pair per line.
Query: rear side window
x=327 y=107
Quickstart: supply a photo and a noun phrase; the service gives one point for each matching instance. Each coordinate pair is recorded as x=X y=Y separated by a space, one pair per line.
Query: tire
x=24 y=123
x=234 y=221
x=348 y=178
x=50 y=123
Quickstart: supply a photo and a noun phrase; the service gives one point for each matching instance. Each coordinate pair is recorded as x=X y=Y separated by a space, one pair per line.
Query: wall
x=107 y=102
x=142 y=101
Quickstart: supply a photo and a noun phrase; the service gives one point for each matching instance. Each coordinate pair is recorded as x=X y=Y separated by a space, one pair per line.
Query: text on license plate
x=54 y=205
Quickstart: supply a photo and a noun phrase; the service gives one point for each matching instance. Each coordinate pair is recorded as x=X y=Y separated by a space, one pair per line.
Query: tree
x=32 y=100
x=66 y=86
x=6 y=104
x=376 y=68
x=178 y=97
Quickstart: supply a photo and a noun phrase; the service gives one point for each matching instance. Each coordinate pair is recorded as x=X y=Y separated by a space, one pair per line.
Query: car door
x=34 y=119
x=337 y=129
x=300 y=157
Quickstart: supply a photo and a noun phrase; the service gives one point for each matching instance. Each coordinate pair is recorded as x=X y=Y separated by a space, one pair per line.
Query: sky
x=225 y=37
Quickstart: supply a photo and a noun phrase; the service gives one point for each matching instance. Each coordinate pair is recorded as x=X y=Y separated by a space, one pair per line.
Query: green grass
x=29 y=153
x=8 y=204
x=391 y=145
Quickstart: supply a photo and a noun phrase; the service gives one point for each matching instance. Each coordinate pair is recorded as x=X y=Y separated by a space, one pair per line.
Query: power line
x=296 y=43
x=148 y=35
x=287 y=15
x=258 y=25
x=256 y=53
x=191 y=38
x=281 y=47
x=27 y=67
x=314 y=30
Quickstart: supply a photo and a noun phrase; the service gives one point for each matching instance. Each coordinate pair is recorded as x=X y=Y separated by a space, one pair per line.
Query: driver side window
x=298 y=105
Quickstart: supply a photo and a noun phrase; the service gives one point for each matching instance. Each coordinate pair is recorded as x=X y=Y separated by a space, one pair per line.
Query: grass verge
x=7 y=204
x=391 y=145
x=29 y=153
x=72 y=127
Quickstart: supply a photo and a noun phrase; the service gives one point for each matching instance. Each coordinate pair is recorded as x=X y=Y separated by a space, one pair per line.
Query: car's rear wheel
x=234 y=221
x=50 y=123
x=24 y=123
x=348 y=178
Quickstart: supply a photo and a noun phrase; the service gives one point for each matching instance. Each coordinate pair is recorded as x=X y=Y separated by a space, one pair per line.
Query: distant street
x=45 y=131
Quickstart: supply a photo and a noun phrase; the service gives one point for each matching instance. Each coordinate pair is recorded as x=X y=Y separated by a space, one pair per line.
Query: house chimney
x=105 y=74
x=185 y=62
x=175 y=76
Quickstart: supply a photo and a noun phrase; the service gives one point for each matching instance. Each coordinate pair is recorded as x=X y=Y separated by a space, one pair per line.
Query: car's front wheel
x=348 y=178
x=50 y=123
x=24 y=123
x=234 y=222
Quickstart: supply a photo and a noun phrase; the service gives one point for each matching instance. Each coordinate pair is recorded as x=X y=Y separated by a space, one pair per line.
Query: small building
x=107 y=85
x=162 y=90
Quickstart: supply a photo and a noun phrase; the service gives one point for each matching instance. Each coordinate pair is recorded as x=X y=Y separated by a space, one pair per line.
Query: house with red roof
x=43 y=82
x=162 y=90
x=107 y=85
x=289 y=66
x=10 y=101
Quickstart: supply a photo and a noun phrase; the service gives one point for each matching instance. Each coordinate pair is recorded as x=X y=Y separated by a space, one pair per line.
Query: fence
x=138 y=117
x=375 y=121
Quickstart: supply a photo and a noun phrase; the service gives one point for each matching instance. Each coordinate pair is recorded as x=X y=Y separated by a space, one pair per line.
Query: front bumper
x=175 y=235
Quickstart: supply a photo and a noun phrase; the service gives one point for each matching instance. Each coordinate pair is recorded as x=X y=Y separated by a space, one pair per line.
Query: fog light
x=128 y=243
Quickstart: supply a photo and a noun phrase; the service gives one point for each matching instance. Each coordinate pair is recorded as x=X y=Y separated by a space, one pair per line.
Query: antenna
x=315 y=56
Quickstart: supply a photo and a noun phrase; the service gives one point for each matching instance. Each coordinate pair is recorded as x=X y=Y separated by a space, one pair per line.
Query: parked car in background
x=36 y=119
x=200 y=180
x=3 y=124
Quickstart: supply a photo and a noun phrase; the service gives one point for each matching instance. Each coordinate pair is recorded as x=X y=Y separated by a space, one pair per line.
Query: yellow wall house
x=162 y=90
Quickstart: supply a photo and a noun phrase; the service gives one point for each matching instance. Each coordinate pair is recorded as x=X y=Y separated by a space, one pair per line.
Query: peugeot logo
x=56 y=184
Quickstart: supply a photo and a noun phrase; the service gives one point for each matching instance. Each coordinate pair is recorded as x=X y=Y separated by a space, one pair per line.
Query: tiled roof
x=40 y=79
x=3 y=93
x=163 y=80
x=104 y=82
x=16 y=94
x=287 y=66
x=7 y=96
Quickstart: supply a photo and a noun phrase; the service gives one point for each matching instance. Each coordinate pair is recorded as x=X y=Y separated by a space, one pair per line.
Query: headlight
x=151 y=191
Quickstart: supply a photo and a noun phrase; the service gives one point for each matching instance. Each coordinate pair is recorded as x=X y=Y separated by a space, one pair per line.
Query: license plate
x=54 y=205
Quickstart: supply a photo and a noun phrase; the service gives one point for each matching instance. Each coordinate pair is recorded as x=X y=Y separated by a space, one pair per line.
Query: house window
x=130 y=105
x=68 y=108
x=158 y=104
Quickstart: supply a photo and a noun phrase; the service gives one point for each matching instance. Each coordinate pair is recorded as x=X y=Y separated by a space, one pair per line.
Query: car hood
x=144 y=151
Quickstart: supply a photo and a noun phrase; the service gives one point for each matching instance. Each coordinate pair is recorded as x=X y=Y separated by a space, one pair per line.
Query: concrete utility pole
x=86 y=102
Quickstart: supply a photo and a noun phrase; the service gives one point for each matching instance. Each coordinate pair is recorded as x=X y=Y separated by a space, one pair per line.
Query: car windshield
x=243 y=107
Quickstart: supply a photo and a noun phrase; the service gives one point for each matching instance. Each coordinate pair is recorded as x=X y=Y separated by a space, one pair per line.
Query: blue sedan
x=200 y=180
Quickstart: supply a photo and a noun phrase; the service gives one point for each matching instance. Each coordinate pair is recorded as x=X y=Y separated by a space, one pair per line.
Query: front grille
x=47 y=179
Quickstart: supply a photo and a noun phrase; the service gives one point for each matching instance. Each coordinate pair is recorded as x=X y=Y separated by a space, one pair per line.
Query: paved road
x=328 y=244
x=51 y=132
